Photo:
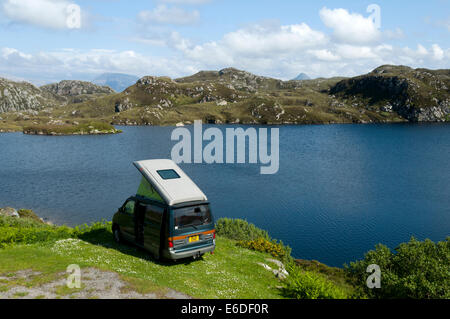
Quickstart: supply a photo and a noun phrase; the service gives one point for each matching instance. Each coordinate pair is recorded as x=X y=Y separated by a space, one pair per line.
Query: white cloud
x=325 y=55
x=54 y=14
x=85 y=64
x=280 y=51
x=351 y=52
x=421 y=50
x=350 y=28
x=438 y=53
x=258 y=42
x=168 y=15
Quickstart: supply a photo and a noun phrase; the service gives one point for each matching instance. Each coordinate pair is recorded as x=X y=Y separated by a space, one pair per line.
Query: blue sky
x=180 y=37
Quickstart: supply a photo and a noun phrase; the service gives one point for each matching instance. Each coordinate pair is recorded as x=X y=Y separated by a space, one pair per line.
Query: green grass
x=45 y=251
x=232 y=272
x=66 y=291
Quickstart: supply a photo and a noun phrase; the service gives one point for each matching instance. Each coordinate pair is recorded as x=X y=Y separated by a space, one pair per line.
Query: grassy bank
x=246 y=264
x=232 y=272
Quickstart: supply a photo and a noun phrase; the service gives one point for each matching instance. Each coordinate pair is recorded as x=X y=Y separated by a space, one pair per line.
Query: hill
x=21 y=96
x=388 y=94
x=77 y=91
x=418 y=95
x=117 y=81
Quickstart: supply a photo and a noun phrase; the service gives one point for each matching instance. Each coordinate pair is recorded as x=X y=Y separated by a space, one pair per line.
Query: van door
x=139 y=220
x=152 y=228
x=126 y=219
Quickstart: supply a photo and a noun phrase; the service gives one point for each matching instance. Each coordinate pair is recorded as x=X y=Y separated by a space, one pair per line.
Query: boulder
x=9 y=212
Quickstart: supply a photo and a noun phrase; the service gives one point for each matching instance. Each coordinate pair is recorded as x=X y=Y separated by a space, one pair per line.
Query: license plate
x=194 y=239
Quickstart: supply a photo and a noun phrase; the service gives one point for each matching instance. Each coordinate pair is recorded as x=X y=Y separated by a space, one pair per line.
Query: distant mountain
x=117 y=81
x=301 y=76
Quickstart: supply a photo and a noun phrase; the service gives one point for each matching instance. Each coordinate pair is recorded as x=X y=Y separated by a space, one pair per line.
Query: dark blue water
x=340 y=190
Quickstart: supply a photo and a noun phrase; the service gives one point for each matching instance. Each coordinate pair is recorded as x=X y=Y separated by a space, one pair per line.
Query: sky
x=44 y=41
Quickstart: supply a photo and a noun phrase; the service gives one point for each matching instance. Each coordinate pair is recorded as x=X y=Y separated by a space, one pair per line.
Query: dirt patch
x=95 y=284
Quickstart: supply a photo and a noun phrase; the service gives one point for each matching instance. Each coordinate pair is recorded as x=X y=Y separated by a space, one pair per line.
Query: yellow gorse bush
x=277 y=250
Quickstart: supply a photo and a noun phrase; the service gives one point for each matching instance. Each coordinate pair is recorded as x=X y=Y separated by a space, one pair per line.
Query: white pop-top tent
x=170 y=181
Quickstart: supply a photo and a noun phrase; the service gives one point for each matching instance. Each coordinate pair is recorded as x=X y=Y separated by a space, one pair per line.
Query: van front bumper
x=195 y=251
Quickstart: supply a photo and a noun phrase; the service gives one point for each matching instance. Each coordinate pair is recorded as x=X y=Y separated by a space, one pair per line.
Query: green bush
x=252 y=237
x=310 y=285
x=276 y=249
x=239 y=229
x=28 y=213
x=29 y=231
x=417 y=269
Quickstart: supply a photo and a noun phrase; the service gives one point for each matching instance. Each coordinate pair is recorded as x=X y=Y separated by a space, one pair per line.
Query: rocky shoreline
x=93 y=132
x=22 y=213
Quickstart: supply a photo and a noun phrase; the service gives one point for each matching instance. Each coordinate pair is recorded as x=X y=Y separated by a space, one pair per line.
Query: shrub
x=277 y=250
x=29 y=231
x=417 y=269
x=252 y=237
x=28 y=213
x=15 y=231
x=239 y=229
x=309 y=285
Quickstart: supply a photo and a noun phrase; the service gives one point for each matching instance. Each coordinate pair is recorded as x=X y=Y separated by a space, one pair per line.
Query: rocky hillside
x=77 y=91
x=21 y=96
x=418 y=95
x=387 y=94
x=235 y=79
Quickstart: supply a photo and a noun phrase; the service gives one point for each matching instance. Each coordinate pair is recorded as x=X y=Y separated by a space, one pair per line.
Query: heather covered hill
x=77 y=91
x=387 y=94
x=21 y=96
x=418 y=95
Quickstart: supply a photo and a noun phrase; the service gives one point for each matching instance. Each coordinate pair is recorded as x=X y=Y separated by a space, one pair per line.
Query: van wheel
x=117 y=235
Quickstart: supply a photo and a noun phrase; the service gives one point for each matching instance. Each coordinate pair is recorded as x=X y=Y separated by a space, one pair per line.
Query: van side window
x=129 y=207
x=154 y=213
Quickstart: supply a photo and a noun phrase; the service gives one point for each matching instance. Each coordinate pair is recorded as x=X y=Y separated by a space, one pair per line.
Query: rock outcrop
x=418 y=95
x=77 y=91
x=22 y=96
x=9 y=212
x=235 y=79
x=73 y=88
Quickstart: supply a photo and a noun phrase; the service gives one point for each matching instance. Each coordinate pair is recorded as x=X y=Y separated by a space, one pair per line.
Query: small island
x=89 y=128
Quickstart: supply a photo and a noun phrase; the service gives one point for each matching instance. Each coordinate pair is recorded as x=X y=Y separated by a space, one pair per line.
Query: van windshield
x=192 y=216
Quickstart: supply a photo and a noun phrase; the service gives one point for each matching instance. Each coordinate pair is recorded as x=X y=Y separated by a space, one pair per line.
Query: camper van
x=169 y=216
